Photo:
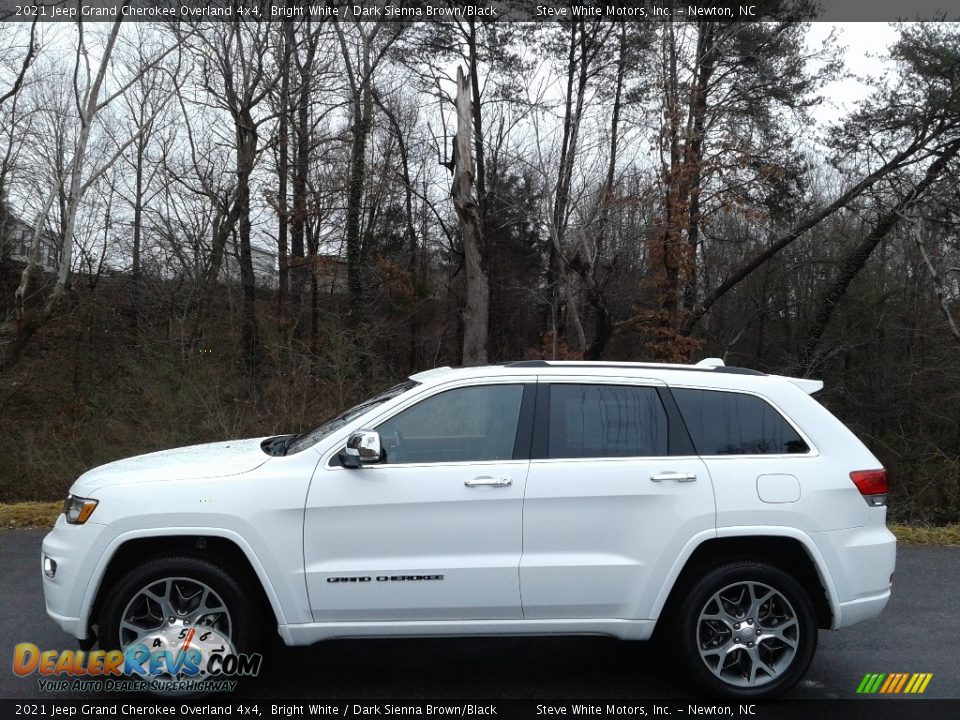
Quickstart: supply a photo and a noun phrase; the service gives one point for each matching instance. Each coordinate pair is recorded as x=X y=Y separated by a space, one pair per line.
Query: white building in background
x=329 y=269
x=265 y=270
x=15 y=237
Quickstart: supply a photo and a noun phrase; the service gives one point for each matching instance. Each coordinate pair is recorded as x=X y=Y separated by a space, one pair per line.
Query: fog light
x=49 y=566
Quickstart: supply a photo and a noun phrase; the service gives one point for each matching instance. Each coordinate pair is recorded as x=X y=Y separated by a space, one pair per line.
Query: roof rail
x=708 y=365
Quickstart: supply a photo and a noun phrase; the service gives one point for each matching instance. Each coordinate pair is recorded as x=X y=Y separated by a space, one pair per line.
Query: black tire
x=781 y=667
x=244 y=623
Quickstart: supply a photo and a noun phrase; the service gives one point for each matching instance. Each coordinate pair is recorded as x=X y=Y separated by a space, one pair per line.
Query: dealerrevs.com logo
x=174 y=660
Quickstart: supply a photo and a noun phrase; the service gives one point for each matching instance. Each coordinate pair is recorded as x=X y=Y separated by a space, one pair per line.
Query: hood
x=219 y=459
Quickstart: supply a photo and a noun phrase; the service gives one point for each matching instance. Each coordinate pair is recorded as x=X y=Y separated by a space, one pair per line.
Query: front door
x=435 y=531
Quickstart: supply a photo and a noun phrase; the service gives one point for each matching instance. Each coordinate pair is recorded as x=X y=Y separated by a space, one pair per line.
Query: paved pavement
x=918 y=632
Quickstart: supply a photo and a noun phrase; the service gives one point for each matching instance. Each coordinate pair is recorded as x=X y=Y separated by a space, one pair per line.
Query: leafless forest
x=225 y=229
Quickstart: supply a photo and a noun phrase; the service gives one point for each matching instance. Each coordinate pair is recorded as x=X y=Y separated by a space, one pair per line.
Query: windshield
x=300 y=442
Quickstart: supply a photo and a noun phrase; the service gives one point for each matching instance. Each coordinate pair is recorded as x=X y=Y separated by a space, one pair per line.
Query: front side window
x=731 y=423
x=606 y=421
x=468 y=424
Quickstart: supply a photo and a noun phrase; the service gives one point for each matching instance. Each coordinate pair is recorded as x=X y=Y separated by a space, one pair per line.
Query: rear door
x=613 y=494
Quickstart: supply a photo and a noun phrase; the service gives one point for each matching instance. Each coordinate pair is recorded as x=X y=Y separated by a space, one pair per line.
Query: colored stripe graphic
x=894 y=683
x=892 y=679
x=903 y=681
x=870 y=683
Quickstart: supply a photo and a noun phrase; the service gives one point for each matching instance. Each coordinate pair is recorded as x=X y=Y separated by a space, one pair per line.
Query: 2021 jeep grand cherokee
x=720 y=506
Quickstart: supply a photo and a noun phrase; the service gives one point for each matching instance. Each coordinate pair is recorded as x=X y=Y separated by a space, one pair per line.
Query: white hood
x=219 y=459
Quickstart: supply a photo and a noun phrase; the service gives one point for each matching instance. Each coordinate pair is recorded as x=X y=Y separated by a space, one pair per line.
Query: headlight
x=78 y=509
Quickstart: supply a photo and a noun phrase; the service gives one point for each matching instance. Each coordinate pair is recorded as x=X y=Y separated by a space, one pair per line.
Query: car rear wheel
x=747 y=630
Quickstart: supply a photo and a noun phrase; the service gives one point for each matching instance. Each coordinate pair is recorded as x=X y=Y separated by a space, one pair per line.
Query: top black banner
x=491 y=11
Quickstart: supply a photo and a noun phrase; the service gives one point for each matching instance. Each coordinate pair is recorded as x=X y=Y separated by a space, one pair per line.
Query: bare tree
x=477 y=306
x=360 y=70
x=237 y=77
x=74 y=182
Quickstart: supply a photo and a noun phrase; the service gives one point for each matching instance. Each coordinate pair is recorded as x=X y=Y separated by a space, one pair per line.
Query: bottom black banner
x=892 y=709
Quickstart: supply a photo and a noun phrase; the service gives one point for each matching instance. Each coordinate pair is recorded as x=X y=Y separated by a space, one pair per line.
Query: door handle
x=488 y=481
x=678 y=476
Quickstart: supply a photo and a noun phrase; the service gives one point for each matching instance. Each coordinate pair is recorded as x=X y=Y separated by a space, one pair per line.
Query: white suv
x=722 y=507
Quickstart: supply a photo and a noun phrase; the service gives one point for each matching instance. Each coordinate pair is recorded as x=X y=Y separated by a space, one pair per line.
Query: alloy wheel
x=748 y=634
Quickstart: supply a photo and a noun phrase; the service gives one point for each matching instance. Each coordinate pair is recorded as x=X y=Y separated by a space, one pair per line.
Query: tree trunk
x=476 y=310
x=283 y=170
x=358 y=175
x=556 y=275
x=137 y=237
x=474 y=73
x=412 y=245
x=246 y=156
x=693 y=155
x=299 y=217
x=603 y=323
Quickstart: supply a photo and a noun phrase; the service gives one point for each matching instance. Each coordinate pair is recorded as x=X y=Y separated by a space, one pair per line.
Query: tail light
x=873 y=485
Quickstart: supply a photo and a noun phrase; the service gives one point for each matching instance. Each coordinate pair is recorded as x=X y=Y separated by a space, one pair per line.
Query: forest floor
x=15 y=516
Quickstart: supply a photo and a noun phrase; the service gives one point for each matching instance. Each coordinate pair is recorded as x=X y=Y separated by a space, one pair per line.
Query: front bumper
x=77 y=550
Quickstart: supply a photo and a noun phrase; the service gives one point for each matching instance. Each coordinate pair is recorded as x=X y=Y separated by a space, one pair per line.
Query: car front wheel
x=747 y=630
x=172 y=596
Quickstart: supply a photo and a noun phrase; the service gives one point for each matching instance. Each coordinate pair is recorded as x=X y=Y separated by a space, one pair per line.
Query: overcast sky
x=865 y=44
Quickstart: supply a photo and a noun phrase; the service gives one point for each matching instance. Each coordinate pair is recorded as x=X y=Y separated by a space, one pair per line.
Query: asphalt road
x=918 y=632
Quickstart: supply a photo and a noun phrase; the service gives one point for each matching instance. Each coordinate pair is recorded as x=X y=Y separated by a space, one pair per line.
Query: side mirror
x=363 y=448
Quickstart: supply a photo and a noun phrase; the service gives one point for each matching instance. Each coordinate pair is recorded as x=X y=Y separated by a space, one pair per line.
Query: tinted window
x=729 y=423
x=466 y=424
x=606 y=421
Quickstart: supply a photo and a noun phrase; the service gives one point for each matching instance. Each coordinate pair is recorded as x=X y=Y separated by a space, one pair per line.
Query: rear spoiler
x=808 y=386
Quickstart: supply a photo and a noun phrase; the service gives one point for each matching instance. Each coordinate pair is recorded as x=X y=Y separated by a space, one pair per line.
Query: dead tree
x=477 y=303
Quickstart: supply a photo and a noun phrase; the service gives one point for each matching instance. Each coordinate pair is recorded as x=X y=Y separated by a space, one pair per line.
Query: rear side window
x=730 y=423
x=605 y=421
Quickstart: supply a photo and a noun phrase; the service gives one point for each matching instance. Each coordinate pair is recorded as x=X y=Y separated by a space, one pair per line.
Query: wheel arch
x=128 y=550
x=786 y=548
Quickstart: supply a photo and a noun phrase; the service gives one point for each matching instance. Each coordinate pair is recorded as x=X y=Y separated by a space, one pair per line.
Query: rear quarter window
x=732 y=423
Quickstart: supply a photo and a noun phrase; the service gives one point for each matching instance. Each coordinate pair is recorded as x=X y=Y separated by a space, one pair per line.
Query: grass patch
x=28 y=515
x=927 y=534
